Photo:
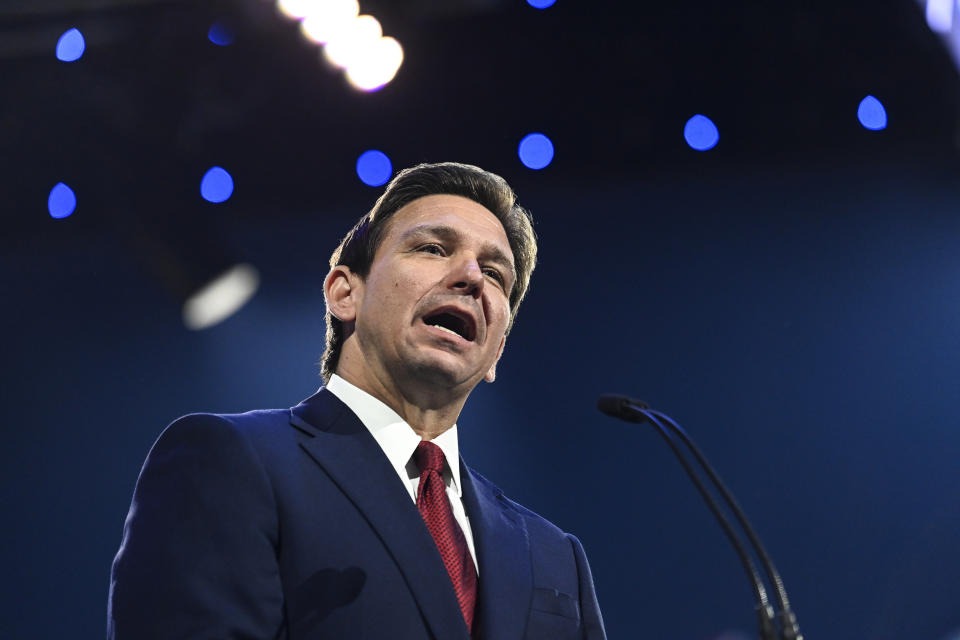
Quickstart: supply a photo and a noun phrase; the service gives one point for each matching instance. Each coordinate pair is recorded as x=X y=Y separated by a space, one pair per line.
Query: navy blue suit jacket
x=293 y=524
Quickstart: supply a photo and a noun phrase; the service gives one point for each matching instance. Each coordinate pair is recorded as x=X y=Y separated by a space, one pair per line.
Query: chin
x=443 y=375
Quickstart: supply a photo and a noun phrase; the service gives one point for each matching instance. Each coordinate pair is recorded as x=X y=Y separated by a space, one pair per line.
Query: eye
x=493 y=273
x=435 y=249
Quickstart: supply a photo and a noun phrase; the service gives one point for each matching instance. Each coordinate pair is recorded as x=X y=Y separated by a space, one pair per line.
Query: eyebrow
x=450 y=234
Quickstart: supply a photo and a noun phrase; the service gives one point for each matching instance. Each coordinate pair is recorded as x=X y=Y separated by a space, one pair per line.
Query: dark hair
x=359 y=246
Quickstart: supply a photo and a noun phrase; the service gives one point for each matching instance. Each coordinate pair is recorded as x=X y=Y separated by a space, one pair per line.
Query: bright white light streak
x=221 y=298
x=353 y=41
x=940 y=15
x=377 y=66
x=329 y=18
x=297 y=9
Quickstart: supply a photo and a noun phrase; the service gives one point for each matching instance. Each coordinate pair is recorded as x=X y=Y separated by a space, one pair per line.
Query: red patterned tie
x=435 y=508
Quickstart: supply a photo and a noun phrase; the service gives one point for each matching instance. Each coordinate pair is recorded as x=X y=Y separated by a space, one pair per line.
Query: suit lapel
x=337 y=440
x=503 y=550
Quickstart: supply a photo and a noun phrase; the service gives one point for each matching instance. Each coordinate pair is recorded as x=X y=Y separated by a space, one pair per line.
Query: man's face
x=435 y=305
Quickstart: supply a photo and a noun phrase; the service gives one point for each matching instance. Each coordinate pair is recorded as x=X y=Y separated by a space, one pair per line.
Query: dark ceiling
x=152 y=104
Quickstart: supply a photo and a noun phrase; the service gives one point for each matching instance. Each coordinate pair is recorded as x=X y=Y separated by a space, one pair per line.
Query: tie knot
x=429 y=457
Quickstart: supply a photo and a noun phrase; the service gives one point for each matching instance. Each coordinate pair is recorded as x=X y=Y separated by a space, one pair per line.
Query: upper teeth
x=447 y=330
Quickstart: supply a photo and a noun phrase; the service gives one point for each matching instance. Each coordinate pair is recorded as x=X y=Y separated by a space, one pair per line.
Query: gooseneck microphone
x=786 y=627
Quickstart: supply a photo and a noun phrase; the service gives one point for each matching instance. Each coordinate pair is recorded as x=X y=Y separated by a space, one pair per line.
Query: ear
x=340 y=291
x=492 y=373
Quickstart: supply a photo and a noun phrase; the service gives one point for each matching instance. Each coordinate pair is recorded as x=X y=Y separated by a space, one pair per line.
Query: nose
x=467 y=277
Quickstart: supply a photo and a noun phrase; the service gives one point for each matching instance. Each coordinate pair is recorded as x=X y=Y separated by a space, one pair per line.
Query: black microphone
x=631 y=410
x=622 y=407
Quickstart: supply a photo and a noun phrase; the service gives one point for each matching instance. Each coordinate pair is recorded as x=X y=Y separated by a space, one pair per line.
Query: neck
x=429 y=413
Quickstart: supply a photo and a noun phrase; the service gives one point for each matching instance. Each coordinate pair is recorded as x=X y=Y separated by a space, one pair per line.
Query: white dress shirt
x=398 y=442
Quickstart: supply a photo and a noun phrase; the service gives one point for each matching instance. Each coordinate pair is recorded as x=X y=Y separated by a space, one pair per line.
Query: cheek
x=499 y=314
x=396 y=297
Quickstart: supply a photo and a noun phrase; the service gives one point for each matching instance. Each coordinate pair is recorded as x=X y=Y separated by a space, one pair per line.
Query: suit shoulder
x=223 y=435
x=242 y=420
x=531 y=517
x=248 y=423
x=535 y=519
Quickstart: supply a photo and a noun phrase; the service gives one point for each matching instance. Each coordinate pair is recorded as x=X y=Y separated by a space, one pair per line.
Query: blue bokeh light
x=700 y=133
x=70 y=46
x=535 y=151
x=217 y=185
x=871 y=114
x=220 y=34
x=62 y=201
x=540 y=4
x=374 y=168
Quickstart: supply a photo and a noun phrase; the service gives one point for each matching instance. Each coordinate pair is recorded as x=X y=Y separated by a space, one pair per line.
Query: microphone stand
x=635 y=411
x=789 y=626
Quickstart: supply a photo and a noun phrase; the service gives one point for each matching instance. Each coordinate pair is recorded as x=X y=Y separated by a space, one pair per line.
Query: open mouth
x=453 y=323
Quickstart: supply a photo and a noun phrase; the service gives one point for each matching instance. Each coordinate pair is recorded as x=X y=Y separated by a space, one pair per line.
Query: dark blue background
x=803 y=325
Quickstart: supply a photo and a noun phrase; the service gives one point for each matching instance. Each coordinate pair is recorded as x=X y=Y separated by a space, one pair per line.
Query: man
x=352 y=515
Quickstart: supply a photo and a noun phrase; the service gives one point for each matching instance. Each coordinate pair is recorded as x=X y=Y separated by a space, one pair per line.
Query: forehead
x=471 y=219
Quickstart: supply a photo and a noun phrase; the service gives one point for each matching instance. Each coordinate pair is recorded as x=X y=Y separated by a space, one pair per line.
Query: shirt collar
x=395 y=437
